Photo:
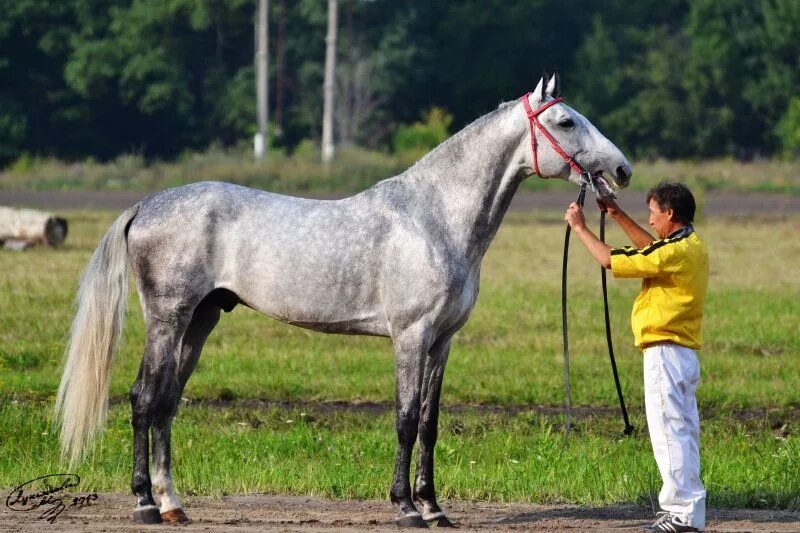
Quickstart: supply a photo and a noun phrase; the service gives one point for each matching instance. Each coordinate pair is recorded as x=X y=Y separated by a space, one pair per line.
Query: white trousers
x=671 y=373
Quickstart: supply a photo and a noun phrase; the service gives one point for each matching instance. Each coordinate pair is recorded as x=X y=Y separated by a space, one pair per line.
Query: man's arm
x=599 y=250
x=637 y=234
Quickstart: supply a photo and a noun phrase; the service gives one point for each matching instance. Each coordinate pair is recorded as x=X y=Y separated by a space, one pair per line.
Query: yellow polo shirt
x=674 y=274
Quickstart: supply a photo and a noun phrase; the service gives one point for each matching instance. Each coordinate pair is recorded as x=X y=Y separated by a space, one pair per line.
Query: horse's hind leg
x=153 y=395
x=424 y=491
x=204 y=319
x=411 y=348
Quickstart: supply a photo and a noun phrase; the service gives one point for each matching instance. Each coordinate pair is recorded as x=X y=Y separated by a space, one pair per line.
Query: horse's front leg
x=411 y=348
x=424 y=491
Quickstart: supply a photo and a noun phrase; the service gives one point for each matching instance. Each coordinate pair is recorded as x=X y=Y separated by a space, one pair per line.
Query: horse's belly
x=299 y=297
x=336 y=319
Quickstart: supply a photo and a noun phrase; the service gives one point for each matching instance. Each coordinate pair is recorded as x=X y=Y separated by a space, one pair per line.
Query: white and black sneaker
x=670 y=523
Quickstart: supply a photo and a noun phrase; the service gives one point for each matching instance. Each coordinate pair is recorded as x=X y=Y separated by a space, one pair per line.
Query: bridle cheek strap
x=533 y=120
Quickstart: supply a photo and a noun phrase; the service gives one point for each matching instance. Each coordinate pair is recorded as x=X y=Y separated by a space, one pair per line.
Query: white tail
x=82 y=400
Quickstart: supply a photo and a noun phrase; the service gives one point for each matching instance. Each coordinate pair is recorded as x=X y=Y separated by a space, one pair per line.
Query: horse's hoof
x=147 y=515
x=413 y=520
x=439 y=520
x=176 y=516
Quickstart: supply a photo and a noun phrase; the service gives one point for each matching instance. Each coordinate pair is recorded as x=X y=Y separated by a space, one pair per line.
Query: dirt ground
x=250 y=513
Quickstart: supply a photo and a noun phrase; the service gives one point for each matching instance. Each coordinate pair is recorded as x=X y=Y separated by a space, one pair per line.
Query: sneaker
x=670 y=523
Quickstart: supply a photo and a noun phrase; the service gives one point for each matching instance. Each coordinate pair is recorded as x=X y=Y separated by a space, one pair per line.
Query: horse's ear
x=552 y=87
x=538 y=92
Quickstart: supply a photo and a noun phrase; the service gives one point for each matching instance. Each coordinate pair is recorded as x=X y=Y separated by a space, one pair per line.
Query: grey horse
x=401 y=259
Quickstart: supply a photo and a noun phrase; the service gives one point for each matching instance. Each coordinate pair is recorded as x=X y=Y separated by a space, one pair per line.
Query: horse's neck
x=474 y=176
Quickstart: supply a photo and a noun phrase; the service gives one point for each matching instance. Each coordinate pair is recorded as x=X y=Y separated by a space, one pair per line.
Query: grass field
x=353 y=170
x=507 y=357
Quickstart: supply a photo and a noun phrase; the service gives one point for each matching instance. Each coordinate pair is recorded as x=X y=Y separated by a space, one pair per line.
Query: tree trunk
x=330 y=69
x=23 y=228
x=279 y=74
x=262 y=86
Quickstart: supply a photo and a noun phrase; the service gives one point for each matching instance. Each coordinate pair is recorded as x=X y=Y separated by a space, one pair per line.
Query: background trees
x=664 y=78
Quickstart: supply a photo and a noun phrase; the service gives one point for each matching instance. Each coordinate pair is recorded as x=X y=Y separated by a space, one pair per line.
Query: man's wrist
x=581 y=230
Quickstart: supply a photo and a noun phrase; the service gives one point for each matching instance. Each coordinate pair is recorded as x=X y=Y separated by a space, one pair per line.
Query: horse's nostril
x=623 y=174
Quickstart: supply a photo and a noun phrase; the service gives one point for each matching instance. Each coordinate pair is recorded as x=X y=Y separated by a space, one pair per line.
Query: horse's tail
x=82 y=400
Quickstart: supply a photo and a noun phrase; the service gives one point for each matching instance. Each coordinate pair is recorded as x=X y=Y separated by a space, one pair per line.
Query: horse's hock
x=23 y=228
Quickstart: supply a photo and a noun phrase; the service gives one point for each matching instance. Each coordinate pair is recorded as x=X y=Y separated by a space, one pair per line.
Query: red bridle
x=533 y=119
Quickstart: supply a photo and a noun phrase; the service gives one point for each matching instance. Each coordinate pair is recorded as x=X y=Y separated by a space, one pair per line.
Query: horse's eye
x=566 y=123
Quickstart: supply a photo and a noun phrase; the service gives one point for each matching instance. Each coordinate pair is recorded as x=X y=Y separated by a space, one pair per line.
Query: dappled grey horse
x=401 y=259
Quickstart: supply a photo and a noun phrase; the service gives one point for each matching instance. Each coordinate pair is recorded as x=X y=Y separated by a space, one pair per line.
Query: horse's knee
x=406 y=424
x=429 y=431
x=156 y=393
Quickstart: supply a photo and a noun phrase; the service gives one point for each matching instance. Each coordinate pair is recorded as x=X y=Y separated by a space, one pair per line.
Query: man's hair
x=675 y=196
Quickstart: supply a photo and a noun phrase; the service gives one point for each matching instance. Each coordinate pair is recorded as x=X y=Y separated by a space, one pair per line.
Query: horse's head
x=565 y=143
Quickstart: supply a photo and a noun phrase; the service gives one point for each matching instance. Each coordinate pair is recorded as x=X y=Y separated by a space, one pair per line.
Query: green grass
x=480 y=456
x=509 y=354
x=353 y=170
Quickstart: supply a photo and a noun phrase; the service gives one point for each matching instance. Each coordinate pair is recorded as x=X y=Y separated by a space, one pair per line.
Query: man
x=666 y=321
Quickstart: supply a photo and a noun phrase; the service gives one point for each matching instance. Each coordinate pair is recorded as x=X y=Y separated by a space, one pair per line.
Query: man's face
x=661 y=221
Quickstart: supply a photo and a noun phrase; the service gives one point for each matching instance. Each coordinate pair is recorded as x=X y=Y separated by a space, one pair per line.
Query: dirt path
x=250 y=513
x=724 y=203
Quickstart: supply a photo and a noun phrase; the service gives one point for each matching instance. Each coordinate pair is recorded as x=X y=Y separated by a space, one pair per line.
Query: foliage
x=91 y=78
x=421 y=137
x=788 y=129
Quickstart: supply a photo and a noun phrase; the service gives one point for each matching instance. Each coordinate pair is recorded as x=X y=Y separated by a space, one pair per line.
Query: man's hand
x=574 y=216
x=599 y=250
x=609 y=205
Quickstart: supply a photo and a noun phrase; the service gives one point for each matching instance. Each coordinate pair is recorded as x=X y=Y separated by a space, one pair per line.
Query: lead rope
x=564 y=325
x=564 y=328
x=628 y=427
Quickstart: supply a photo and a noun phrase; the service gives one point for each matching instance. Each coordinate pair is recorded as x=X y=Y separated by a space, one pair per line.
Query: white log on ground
x=23 y=228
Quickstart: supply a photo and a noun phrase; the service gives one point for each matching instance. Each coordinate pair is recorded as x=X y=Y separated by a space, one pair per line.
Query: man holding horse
x=666 y=321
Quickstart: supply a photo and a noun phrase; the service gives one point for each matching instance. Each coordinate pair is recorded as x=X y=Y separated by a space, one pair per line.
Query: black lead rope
x=564 y=329
x=564 y=326
x=628 y=427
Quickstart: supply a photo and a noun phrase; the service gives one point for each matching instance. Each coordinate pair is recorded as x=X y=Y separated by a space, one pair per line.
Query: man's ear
x=670 y=214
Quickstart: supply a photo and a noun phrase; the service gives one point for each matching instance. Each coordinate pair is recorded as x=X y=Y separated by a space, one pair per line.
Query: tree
x=262 y=75
x=329 y=84
x=163 y=69
x=36 y=107
x=661 y=77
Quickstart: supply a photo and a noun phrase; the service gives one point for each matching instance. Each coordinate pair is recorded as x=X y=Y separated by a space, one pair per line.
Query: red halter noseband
x=533 y=119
